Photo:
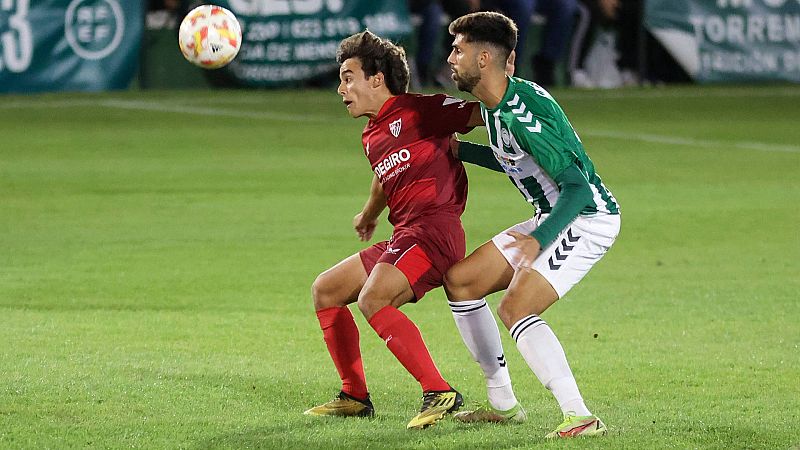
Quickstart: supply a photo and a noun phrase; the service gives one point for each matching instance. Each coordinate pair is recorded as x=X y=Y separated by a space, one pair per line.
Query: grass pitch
x=157 y=251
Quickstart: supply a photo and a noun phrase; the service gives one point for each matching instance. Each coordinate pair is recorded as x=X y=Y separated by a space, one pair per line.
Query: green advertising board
x=73 y=45
x=287 y=41
x=730 y=40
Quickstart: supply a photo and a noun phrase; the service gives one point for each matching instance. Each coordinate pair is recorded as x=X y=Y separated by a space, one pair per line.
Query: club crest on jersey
x=506 y=138
x=395 y=127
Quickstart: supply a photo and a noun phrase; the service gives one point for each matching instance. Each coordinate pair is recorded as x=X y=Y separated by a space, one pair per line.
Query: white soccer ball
x=210 y=36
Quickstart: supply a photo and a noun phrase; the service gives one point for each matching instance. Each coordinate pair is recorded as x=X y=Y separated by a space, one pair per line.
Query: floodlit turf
x=157 y=251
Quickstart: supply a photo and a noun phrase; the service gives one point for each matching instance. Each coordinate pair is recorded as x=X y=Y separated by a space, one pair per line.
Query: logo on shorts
x=395 y=127
x=393 y=251
x=562 y=250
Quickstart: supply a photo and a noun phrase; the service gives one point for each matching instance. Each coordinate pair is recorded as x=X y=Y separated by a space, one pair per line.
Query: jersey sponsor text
x=393 y=160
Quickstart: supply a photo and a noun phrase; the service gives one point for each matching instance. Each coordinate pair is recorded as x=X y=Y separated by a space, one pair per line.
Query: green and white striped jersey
x=534 y=142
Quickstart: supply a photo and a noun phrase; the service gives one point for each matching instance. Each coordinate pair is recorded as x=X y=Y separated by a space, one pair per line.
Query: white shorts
x=570 y=256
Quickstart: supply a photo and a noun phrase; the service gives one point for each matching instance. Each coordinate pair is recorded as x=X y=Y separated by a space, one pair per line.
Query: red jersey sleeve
x=443 y=115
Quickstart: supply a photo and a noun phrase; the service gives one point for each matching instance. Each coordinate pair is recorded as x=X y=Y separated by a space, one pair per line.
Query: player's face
x=355 y=88
x=463 y=62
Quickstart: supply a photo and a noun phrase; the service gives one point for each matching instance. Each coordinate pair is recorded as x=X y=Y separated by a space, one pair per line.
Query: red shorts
x=423 y=267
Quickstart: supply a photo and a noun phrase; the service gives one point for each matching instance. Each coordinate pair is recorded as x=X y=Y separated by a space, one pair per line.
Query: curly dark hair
x=487 y=27
x=377 y=55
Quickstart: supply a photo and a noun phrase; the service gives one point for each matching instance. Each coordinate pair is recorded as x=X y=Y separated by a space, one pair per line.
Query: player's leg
x=483 y=272
x=386 y=289
x=467 y=283
x=399 y=278
x=332 y=291
x=339 y=285
x=559 y=267
x=528 y=296
x=385 y=286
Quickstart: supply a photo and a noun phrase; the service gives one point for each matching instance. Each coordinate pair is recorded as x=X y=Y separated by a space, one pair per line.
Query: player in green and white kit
x=539 y=260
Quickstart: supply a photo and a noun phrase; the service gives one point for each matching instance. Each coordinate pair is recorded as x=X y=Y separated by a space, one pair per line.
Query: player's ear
x=510 y=67
x=377 y=80
x=484 y=58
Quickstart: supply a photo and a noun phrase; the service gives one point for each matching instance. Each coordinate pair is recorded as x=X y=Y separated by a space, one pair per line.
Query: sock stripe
x=465 y=307
x=461 y=311
x=524 y=324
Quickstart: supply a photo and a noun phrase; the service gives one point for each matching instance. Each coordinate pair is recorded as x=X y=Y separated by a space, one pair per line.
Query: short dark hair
x=377 y=55
x=487 y=27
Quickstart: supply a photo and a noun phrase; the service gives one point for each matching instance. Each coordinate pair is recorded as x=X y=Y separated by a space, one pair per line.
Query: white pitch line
x=691 y=142
x=624 y=94
x=140 y=105
x=32 y=104
x=205 y=111
x=620 y=94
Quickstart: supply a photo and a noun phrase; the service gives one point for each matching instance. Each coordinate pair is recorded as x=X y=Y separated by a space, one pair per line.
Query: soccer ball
x=210 y=36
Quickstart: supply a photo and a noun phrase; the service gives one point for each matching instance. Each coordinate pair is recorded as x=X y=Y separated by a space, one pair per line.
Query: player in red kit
x=406 y=141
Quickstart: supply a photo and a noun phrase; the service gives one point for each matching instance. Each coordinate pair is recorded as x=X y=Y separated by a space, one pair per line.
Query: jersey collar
x=387 y=105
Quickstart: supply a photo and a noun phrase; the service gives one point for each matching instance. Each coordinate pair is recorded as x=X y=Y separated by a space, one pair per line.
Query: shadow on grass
x=333 y=433
x=313 y=433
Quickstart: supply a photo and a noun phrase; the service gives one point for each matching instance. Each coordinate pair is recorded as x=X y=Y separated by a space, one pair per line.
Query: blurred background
x=159 y=235
x=96 y=45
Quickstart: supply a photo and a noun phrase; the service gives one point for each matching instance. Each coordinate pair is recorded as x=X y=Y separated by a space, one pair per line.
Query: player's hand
x=454 y=142
x=512 y=57
x=364 y=227
x=528 y=246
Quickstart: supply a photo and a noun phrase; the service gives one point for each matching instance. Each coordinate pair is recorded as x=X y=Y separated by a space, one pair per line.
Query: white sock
x=479 y=331
x=545 y=356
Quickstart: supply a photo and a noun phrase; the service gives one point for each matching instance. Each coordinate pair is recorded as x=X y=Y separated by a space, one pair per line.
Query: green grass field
x=157 y=251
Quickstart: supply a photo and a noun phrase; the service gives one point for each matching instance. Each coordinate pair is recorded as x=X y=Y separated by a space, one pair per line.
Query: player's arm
x=366 y=221
x=475 y=119
x=575 y=194
x=480 y=155
x=442 y=115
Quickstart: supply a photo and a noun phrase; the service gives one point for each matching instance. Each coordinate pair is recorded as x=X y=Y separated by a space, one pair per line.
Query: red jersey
x=408 y=147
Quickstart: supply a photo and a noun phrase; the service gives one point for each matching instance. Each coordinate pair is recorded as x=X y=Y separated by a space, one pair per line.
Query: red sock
x=404 y=340
x=341 y=335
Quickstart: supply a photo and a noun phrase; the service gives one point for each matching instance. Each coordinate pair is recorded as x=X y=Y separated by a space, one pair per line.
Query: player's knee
x=511 y=310
x=458 y=285
x=369 y=305
x=323 y=291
